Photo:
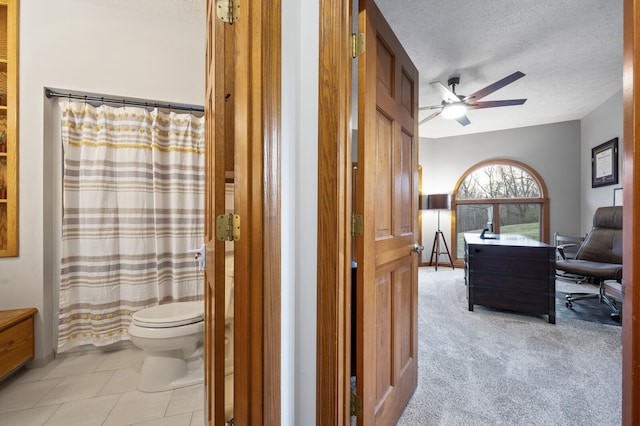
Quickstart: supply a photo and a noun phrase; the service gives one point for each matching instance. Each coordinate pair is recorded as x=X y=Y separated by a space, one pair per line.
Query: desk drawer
x=501 y=281
x=512 y=266
x=509 y=251
x=529 y=302
x=16 y=345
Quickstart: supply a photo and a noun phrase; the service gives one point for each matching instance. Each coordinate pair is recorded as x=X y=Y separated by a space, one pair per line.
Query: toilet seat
x=170 y=315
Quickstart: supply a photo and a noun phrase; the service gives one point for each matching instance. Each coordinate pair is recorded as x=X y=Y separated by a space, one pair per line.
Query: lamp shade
x=439 y=201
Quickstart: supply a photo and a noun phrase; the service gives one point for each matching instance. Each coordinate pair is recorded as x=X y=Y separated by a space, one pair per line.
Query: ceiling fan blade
x=464 y=120
x=495 y=86
x=429 y=107
x=429 y=117
x=494 y=104
x=444 y=92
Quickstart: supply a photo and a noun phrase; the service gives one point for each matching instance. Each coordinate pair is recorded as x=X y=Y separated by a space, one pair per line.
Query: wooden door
x=242 y=110
x=387 y=198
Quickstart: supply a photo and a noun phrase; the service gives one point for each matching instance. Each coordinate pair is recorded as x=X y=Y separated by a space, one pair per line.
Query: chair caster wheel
x=568 y=305
x=615 y=317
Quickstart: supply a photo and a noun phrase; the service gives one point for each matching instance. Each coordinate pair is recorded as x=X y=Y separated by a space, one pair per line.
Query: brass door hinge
x=357 y=45
x=228 y=10
x=356 y=405
x=228 y=227
x=357 y=225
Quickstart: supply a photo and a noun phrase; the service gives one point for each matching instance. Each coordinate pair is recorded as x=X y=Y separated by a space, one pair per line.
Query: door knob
x=417 y=248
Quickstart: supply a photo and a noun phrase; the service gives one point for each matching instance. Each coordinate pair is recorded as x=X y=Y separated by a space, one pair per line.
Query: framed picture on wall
x=617 y=196
x=604 y=164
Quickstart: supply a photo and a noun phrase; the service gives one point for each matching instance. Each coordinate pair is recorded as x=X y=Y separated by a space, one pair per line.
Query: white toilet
x=171 y=337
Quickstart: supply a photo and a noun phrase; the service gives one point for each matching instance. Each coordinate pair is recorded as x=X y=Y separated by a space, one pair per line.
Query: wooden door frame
x=334 y=242
x=631 y=215
x=217 y=116
x=334 y=213
x=256 y=126
x=257 y=133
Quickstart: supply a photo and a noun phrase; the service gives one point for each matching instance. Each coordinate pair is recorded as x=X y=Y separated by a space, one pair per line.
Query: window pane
x=523 y=219
x=498 y=181
x=471 y=218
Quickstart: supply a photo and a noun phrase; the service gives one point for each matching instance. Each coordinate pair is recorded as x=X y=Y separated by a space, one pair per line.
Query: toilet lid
x=170 y=315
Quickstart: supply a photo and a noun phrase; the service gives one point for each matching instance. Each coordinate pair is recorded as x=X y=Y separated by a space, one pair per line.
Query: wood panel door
x=387 y=277
x=242 y=109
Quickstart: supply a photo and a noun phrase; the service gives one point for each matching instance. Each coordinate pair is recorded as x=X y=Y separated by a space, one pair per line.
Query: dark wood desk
x=510 y=272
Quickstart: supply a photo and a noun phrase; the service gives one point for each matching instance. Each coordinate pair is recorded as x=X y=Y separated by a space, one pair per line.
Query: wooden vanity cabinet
x=16 y=339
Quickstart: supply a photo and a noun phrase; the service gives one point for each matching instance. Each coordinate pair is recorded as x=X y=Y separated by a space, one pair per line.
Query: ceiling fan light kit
x=455 y=106
x=454 y=110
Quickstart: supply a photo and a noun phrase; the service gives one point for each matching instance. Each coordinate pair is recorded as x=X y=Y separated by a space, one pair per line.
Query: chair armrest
x=561 y=248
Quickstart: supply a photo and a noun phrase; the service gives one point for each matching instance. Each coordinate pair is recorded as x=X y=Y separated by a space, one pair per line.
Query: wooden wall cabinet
x=8 y=128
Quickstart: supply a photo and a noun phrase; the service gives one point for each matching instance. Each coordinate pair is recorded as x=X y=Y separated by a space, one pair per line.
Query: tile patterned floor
x=95 y=388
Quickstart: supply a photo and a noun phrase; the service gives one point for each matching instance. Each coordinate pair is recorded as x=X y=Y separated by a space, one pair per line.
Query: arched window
x=505 y=194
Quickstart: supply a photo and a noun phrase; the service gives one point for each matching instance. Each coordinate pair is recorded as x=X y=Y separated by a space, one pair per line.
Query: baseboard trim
x=41 y=362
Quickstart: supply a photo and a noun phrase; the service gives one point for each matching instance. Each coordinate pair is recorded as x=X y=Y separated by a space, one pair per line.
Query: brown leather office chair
x=568 y=246
x=599 y=257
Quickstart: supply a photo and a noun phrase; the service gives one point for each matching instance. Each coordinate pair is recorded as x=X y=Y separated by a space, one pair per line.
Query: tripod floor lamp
x=439 y=202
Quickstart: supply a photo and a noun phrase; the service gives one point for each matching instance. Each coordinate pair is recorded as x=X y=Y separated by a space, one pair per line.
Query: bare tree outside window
x=498 y=181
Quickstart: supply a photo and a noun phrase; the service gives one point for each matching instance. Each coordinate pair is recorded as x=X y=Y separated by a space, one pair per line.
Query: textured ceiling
x=570 y=51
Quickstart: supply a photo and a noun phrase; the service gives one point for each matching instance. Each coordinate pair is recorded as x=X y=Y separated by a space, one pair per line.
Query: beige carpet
x=491 y=367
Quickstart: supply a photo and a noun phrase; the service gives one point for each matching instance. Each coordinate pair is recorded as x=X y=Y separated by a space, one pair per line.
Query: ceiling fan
x=455 y=106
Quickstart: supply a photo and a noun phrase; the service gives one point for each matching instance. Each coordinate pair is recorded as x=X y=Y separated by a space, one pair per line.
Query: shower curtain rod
x=181 y=107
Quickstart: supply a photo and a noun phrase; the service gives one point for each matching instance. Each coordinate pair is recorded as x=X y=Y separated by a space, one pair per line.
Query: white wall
x=307 y=216
x=86 y=46
x=553 y=150
x=601 y=125
x=299 y=209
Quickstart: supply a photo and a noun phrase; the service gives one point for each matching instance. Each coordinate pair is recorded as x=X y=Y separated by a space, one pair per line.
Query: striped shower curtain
x=133 y=195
